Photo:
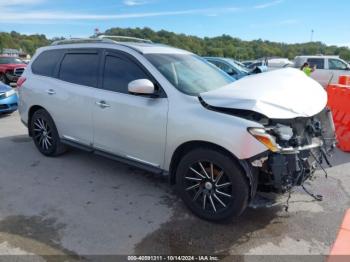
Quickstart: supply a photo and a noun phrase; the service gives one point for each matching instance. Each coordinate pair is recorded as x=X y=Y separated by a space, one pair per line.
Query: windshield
x=10 y=60
x=188 y=73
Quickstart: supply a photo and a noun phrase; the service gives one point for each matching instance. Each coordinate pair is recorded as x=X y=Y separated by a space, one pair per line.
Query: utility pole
x=312 y=35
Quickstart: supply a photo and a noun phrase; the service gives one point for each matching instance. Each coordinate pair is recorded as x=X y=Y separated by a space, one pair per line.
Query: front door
x=128 y=125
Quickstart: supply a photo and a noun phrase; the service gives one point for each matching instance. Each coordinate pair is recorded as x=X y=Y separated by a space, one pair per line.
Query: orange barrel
x=344 y=80
x=339 y=103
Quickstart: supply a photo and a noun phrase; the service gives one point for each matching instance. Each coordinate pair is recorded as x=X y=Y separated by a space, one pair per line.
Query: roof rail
x=127 y=38
x=82 y=40
x=101 y=39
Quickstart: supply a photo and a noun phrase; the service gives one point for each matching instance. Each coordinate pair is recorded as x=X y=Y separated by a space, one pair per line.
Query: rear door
x=321 y=74
x=69 y=96
x=127 y=125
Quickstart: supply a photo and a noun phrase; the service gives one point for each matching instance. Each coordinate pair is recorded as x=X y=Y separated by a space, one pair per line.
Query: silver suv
x=171 y=112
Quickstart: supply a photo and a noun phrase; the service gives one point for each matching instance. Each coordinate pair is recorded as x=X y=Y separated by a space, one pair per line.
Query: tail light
x=21 y=81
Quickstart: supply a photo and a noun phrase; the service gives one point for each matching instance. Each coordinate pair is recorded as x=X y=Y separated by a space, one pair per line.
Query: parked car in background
x=255 y=64
x=166 y=110
x=328 y=68
x=8 y=99
x=278 y=63
x=234 y=68
x=270 y=63
x=229 y=66
x=11 y=68
x=247 y=63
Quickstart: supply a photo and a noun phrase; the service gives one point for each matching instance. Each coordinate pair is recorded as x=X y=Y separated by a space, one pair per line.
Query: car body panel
x=198 y=124
x=131 y=126
x=276 y=96
x=65 y=105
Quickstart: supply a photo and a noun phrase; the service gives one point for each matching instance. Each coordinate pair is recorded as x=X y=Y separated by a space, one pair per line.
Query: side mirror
x=141 y=87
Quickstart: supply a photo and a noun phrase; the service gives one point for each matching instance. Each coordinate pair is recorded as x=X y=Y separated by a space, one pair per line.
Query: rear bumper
x=9 y=104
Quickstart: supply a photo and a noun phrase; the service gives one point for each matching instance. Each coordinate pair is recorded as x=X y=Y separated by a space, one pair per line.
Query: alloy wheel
x=208 y=186
x=43 y=134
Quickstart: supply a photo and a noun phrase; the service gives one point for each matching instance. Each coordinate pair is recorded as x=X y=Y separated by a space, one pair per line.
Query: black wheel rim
x=43 y=134
x=209 y=187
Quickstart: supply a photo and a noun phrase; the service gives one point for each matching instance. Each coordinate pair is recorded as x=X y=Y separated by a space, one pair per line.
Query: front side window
x=336 y=64
x=188 y=73
x=47 y=62
x=119 y=72
x=80 y=68
x=318 y=62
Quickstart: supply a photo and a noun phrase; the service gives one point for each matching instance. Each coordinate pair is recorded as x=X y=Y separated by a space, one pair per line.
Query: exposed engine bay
x=303 y=145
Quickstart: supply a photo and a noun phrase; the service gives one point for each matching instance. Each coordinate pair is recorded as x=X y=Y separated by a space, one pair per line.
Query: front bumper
x=316 y=143
x=289 y=167
x=12 y=78
x=9 y=104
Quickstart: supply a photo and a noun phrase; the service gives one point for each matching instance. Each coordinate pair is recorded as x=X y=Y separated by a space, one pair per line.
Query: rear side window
x=80 y=68
x=46 y=63
x=319 y=62
x=119 y=72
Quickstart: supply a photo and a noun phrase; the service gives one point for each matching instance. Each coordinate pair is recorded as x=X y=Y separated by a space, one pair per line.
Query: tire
x=3 y=79
x=45 y=135
x=212 y=195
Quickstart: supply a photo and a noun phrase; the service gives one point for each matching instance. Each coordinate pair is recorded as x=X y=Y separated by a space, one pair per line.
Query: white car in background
x=328 y=68
x=277 y=63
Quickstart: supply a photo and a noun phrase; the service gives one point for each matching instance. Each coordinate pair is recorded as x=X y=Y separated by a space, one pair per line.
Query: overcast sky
x=276 y=20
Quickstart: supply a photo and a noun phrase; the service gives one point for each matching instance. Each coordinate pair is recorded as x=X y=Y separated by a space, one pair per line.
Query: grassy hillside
x=224 y=45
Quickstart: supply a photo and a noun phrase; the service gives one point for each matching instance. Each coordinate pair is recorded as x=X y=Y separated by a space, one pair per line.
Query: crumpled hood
x=279 y=94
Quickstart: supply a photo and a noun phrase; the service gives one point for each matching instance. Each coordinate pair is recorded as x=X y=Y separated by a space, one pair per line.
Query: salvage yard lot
x=83 y=204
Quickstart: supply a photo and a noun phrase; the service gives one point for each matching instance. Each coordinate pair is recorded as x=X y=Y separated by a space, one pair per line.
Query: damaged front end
x=297 y=130
x=296 y=148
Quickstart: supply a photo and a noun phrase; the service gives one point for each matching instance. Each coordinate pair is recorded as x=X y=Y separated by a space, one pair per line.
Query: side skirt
x=118 y=158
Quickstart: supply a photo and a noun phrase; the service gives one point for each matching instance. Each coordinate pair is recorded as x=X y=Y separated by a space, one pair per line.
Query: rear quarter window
x=46 y=63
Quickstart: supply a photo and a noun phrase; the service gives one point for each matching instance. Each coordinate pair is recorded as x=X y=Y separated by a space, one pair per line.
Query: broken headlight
x=262 y=136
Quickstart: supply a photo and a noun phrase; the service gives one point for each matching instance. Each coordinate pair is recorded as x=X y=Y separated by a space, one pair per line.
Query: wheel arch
x=190 y=145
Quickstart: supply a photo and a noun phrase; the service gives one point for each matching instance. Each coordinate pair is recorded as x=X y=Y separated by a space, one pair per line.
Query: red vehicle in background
x=11 y=68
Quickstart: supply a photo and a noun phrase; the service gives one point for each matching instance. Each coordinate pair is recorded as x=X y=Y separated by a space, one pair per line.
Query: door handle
x=51 y=92
x=102 y=104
